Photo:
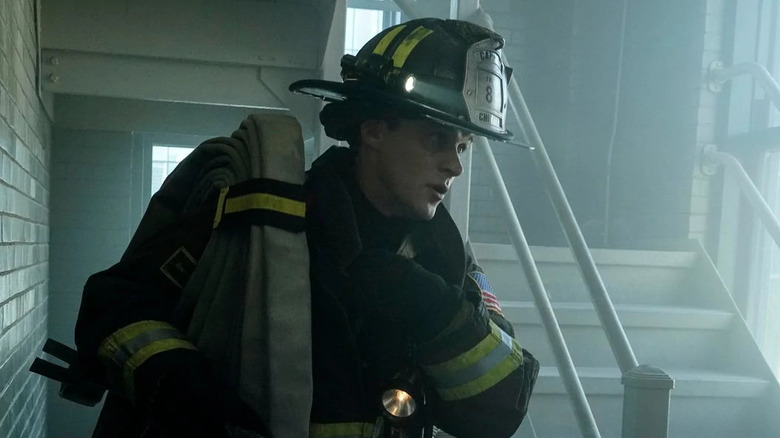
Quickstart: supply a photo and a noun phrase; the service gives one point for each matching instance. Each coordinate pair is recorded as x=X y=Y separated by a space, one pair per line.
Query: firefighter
x=392 y=289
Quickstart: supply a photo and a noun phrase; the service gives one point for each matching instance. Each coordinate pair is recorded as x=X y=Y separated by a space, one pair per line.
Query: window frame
x=750 y=130
x=391 y=13
x=143 y=142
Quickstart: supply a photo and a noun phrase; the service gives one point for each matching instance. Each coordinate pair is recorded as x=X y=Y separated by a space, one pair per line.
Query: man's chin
x=428 y=213
x=421 y=212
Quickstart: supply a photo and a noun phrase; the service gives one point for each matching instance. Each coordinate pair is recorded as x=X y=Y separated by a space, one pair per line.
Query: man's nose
x=451 y=164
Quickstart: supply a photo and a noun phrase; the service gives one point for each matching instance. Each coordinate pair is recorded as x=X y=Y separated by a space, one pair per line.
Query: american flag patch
x=490 y=300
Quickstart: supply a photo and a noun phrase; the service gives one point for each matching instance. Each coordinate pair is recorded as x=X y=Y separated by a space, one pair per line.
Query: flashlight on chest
x=403 y=408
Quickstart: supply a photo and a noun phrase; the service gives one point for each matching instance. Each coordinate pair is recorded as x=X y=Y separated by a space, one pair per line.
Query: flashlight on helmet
x=402 y=406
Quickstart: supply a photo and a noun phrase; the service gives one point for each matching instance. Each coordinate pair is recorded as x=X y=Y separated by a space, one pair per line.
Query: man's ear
x=372 y=133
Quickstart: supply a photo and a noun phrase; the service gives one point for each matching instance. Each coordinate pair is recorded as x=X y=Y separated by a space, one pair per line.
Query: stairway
x=678 y=316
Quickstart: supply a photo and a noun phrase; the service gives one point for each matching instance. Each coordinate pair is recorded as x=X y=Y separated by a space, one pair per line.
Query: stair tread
x=631 y=315
x=577 y=305
x=688 y=382
x=676 y=373
x=622 y=257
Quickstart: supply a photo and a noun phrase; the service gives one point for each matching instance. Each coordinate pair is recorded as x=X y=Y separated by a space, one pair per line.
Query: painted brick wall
x=538 y=41
x=624 y=151
x=24 y=224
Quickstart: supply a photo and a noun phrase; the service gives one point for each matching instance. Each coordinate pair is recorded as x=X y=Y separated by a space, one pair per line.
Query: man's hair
x=342 y=120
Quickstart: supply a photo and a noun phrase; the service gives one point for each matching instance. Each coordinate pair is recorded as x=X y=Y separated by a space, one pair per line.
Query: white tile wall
x=24 y=229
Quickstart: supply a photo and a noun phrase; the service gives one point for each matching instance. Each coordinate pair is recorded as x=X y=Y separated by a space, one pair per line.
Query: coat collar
x=332 y=226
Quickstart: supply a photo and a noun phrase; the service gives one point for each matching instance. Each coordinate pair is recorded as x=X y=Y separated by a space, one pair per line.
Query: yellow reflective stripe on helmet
x=478 y=369
x=341 y=430
x=129 y=347
x=265 y=201
x=387 y=39
x=408 y=44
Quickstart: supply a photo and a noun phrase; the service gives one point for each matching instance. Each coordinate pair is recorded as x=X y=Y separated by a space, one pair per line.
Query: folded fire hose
x=246 y=305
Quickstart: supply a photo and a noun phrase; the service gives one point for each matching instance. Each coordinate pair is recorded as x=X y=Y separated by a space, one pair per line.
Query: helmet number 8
x=489 y=95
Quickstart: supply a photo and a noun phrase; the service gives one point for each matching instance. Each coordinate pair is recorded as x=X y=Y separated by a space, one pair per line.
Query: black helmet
x=449 y=71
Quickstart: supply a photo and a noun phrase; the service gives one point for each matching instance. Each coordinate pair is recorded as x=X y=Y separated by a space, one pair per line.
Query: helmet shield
x=484 y=87
x=449 y=71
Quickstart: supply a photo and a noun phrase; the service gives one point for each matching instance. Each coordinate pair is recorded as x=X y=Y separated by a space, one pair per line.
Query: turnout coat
x=478 y=378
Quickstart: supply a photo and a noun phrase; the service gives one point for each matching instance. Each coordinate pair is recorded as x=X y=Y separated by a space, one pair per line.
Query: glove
x=189 y=402
x=397 y=289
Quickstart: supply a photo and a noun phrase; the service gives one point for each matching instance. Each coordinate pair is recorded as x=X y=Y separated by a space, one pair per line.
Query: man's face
x=410 y=167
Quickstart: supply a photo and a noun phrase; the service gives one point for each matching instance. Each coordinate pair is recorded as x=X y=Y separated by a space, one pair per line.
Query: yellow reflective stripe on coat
x=341 y=430
x=265 y=201
x=387 y=39
x=408 y=44
x=220 y=203
x=130 y=346
x=479 y=368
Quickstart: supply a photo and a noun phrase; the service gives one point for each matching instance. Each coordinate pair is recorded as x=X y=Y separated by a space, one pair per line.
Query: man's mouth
x=441 y=189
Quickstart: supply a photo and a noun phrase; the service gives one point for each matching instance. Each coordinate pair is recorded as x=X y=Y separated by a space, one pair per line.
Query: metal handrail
x=616 y=336
x=618 y=341
x=713 y=157
x=614 y=331
x=571 y=381
x=718 y=74
x=582 y=412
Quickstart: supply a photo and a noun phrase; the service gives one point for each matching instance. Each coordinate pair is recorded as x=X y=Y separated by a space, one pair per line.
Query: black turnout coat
x=478 y=378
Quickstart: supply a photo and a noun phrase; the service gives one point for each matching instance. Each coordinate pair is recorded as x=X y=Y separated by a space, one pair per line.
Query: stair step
x=625 y=257
x=688 y=383
x=584 y=314
x=702 y=404
x=677 y=315
x=631 y=277
x=664 y=336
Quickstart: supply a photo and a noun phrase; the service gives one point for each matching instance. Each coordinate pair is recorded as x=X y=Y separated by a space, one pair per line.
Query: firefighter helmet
x=450 y=71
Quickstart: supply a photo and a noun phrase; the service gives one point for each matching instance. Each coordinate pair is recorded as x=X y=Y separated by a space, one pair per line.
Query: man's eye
x=462 y=148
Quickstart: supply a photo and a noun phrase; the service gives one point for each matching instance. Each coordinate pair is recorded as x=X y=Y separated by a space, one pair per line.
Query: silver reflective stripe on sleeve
x=129 y=347
x=478 y=369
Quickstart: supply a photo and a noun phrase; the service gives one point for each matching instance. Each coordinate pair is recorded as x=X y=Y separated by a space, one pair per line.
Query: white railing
x=719 y=74
x=640 y=397
x=711 y=157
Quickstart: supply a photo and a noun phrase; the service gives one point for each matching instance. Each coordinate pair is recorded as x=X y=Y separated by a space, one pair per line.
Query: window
x=165 y=158
x=755 y=122
x=154 y=156
x=366 y=18
x=765 y=281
